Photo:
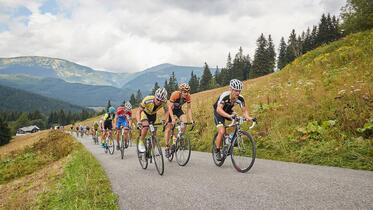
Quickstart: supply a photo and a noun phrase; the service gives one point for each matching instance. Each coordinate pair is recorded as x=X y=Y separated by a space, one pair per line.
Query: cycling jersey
x=226 y=101
x=178 y=100
x=123 y=114
x=149 y=106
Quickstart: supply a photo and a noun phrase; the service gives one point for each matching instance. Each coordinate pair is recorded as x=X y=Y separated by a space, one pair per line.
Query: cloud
x=128 y=36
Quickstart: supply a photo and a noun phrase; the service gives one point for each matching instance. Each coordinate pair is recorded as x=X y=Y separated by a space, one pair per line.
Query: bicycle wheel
x=183 y=150
x=122 y=149
x=111 y=145
x=157 y=156
x=142 y=156
x=244 y=152
x=213 y=152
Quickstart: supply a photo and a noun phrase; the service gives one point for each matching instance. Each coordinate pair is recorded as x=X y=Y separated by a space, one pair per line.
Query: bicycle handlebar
x=240 y=120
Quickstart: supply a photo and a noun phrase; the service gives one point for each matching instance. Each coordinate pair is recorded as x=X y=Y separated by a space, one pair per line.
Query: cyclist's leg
x=168 y=132
x=145 y=126
x=219 y=122
x=118 y=132
x=183 y=119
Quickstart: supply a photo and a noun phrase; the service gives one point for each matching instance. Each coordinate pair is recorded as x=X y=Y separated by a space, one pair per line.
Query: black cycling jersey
x=224 y=99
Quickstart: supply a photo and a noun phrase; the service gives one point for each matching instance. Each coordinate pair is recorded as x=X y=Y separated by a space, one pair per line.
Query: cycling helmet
x=235 y=84
x=161 y=94
x=184 y=87
x=128 y=106
x=111 y=110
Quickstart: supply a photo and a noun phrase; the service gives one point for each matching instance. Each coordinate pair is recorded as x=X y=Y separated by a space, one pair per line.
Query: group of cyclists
x=121 y=117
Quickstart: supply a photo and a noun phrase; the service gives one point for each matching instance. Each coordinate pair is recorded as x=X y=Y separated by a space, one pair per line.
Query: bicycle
x=153 y=150
x=95 y=137
x=109 y=143
x=239 y=144
x=122 y=145
x=182 y=147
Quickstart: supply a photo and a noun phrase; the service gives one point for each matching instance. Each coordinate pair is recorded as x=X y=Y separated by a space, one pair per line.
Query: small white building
x=28 y=129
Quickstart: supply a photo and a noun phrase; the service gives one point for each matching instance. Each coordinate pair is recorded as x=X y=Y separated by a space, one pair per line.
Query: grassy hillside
x=55 y=172
x=18 y=100
x=316 y=110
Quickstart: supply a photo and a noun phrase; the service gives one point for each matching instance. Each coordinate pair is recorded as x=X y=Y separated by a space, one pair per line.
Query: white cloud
x=133 y=35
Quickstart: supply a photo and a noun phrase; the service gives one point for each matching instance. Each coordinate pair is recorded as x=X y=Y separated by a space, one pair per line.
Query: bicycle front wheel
x=111 y=145
x=183 y=150
x=243 y=152
x=142 y=156
x=157 y=156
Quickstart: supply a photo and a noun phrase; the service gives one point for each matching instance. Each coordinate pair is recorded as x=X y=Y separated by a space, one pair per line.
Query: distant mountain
x=58 y=68
x=145 y=80
x=44 y=67
x=18 y=100
x=75 y=93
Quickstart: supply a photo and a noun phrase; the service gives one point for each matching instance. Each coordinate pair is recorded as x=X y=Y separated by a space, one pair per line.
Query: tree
x=206 y=78
x=172 y=84
x=22 y=121
x=260 y=58
x=5 y=134
x=271 y=56
x=322 y=36
x=357 y=15
x=138 y=97
x=133 y=100
x=155 y=88
x=292 y=50
x=193 y=83
x=282 y=60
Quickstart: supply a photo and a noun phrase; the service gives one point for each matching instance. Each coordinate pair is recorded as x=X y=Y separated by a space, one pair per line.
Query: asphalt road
x=202 y=185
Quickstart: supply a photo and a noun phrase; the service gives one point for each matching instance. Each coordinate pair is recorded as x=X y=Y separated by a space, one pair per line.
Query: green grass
x=83 y=185
x=20 y=163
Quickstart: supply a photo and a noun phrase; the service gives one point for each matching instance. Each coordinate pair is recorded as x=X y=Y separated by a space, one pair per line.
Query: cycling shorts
x=177 y=113
x=108 y=125
x=122 y=122
x=150 y=118
x=219 y=120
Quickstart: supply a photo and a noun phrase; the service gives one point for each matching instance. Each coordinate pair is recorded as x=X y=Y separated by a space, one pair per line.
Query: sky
x=130 y=36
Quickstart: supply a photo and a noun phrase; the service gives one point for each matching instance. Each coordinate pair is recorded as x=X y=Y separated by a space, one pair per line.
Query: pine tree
x=166 y=86
x=260 y=62
x=138 y=97
x=22 y=121
x=313 y=39
x=271 y=56
x=247 y=67
x=292 y=50
x=322 y=35
x=155 y=88
x=133 y=100
x=357 y=15
x=5 y=134
x=193 y=83
x=172 y=84
x=216 y=76
x=206 y=78
x=282 y=59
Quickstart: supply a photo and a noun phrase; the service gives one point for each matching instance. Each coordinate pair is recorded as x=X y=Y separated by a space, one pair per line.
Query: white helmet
x=128 y=106
x=235 y=84
x=161 y=94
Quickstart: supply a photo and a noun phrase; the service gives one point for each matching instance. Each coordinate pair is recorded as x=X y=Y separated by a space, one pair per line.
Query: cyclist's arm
x=166 y=112
x=245 y=112
x=171 y=113
x=189 y=110
x=138 y=114
x=221 y=112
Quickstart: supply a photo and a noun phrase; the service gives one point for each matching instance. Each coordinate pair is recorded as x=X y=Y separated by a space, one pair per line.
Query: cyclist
x=108 y=122
x=177 y=100
x=223 y=110
x=95 y=128
x=147 y=112
x=123 y=119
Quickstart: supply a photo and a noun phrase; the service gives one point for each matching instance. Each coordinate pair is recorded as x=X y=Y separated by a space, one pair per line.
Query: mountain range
x=81 y=85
